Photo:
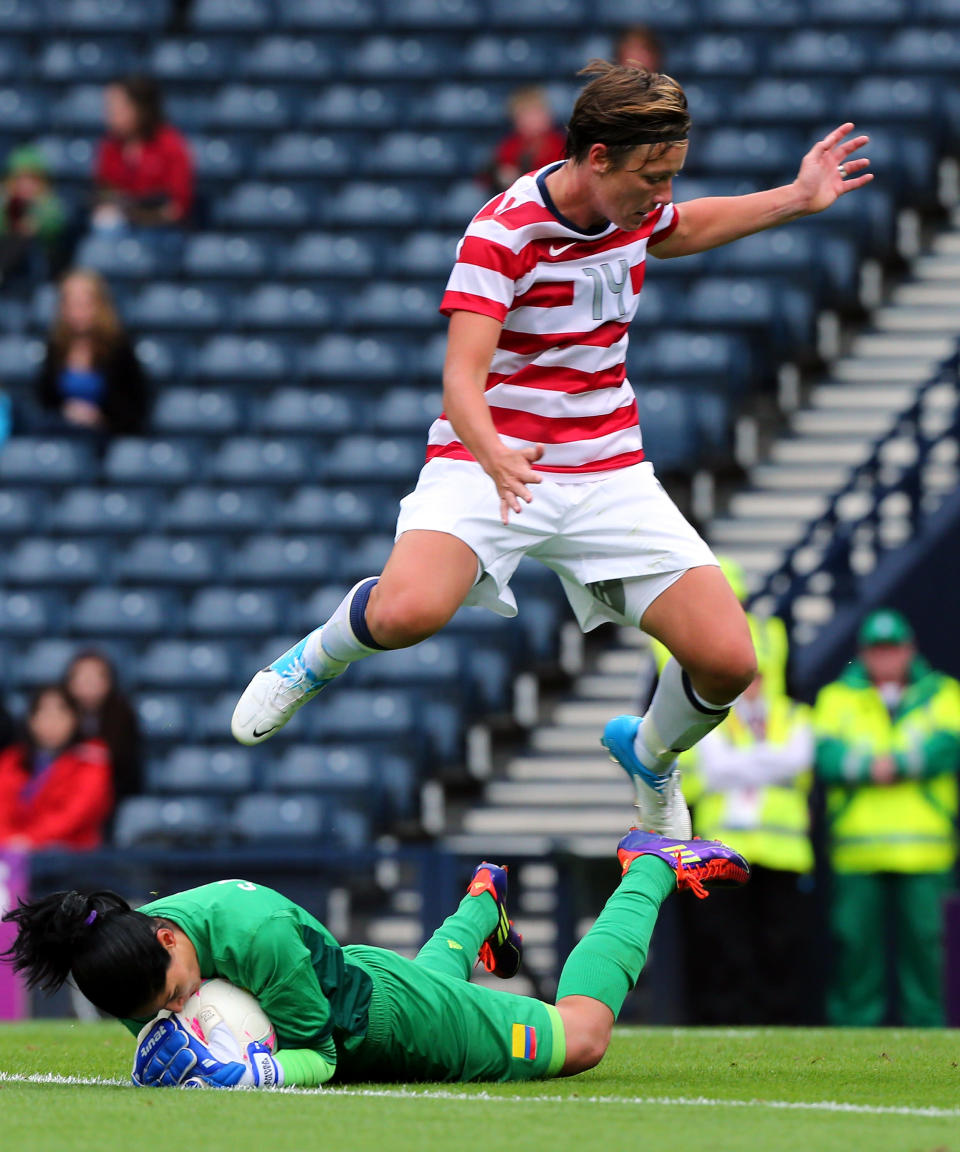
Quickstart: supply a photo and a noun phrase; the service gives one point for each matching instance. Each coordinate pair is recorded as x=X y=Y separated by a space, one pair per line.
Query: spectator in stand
x=91 y=378
x=55 y=789
x=32 y=218
x=144 y=172
x=639 y=45
x=535 y=140
x=106 y=715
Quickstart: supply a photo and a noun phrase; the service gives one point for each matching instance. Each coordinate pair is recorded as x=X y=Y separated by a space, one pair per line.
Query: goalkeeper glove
x=169 y=1055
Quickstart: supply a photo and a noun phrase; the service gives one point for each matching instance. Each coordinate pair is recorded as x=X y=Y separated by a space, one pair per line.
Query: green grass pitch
x=667 y=1090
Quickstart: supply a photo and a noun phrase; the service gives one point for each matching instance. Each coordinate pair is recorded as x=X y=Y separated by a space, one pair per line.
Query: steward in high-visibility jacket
x=888 y=750
x=749 y=781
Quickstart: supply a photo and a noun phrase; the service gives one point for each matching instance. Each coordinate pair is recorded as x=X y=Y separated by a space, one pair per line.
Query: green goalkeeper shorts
x=427 y=1025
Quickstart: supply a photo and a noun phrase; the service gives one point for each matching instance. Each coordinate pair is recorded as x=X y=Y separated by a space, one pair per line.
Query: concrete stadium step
x=608 y=821
x=797 y=478
x=931 y=318
x=587 y=794
x=582 y=713
x=941 y=289
x=871 y=370
x=757 y=504
x=619 y=661
x=809 y=450
x=775 y=531
x=560 y=770
x=582 y=739
x=902 y=346
x=867 y=394
x=610 y=687
x=837 y=422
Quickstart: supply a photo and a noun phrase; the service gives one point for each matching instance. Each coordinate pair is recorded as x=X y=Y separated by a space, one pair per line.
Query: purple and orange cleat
x=502 y=951
x=699 y=864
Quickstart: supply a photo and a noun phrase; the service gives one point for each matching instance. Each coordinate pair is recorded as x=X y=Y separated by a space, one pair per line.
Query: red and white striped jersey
x=566 y=298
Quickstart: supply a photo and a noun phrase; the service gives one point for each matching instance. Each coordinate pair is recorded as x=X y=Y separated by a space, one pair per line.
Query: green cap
x=885 y=626
x=27 y=158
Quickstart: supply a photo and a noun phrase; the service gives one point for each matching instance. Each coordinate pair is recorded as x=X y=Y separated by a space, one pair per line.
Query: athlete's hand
x=819 y=181
x=170 y=1056
x=511 y=470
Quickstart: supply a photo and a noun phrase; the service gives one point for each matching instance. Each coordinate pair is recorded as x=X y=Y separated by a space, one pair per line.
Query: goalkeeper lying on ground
x=357 y=1013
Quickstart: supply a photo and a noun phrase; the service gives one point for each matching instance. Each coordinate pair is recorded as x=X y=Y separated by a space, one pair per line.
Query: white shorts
x=616 y=542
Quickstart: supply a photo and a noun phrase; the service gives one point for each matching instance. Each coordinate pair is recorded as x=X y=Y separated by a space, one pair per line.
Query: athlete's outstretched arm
x=471 y=342
x=717 y=220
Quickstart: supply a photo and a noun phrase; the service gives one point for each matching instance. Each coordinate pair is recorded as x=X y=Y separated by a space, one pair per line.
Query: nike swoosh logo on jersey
x=556 y=249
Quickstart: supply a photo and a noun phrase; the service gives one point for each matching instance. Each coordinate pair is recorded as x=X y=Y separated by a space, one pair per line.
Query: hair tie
x=90 y=919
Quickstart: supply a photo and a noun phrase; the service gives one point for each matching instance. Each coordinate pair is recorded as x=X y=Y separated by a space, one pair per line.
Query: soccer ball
x=218 y=1000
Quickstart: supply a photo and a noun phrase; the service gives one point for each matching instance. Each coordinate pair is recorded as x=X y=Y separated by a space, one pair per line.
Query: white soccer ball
x=218 y=1000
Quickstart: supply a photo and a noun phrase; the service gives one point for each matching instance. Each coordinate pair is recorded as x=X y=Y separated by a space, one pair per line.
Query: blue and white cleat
x=274 y=694
x=660 y=805
x=699 y=864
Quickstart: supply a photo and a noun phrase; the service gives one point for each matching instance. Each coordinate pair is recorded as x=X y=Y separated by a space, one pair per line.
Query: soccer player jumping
x=540 y=300
x=356 y=1013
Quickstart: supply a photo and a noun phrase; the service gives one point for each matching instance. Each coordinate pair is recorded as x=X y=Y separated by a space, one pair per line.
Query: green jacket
x=908 y=825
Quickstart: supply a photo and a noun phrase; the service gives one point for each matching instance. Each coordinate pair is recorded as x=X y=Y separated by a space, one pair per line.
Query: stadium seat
x=108 y=16
x=229 y=611
x=248 y=460
x=717 y=54
x=326 y=509
x=177 y=307
x=458 y=204
x=22 y=511
x=388 y=305
x=181 y=664
x=30 y=613
x=356 y=106
x=230 y=257
x=507 y=58
x=130 y=460
x=286 y=58
x=165 y=358
x=101 y=611
x=201 y=509
x=670 y=438
x=162 y=560
x=329 y=256
x=755 y=13
x=279 y=306
x=224 y=358
x=677 y=354
x=79 y=108
x=326 y=14
x=407 y=410
x=231 y=15
x=20 y=358
x=393 y=57
x=193 y=410
x=434 y=663
x=780 y=101
x=240 y=107
x=551 y=13
x=186 y=59
x=351 y=357
x=858 y=12
x=21 y=15
x=660 y=13
x=366 y=458
x=816 y=50
x=918 y=51
x=23 y=111
x=167 y=716
x=415 y=154
x=82 y=61
x=363 y=716
x=878 y=99
x=299 y=410
x=273 y=560
x=291 y=819
x=434 y=13
x=38 y=460
x=371 y=204
x=424 y=254
x=220 y=158
x=302 y=155
x=368 y=555
x=125 y=257
x=67 y=158
x=764 y=152
x=255 y=205
x=103 y=511
x=153 y=821
x=218 y=771
x=45 y=661
x=39 y=562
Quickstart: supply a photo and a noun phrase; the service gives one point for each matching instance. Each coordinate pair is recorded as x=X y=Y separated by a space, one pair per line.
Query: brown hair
x=622 y=107
x=107 y=330
x=144 y=94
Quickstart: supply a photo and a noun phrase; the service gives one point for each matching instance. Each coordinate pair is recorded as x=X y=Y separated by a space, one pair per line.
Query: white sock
x=340 y=645
x=676 y=719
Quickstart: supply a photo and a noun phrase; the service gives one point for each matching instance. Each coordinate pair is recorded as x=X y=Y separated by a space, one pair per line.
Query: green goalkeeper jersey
x=263 y=942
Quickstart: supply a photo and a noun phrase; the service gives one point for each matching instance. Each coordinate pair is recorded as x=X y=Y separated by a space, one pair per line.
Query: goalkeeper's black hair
x=111 y=950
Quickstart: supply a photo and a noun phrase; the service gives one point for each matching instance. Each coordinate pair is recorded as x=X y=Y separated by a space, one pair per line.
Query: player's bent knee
x=584 y=1055
x=403 y=620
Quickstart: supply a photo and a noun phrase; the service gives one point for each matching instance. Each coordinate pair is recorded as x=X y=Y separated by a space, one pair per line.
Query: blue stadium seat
x=67 y=158
x=435 y=13
x=231 y=611
x=792 y=101
x=130 y=460
x=281 y=306
x=379 y=779
x=108 y=16
x=407 y=410
x=458 y=204
x=288 y=820
x=299 y=155
x=177 y=306
x=167 y=716
x=393 y=57
x=21 y=15
x=300 y=410
x=755 y=13
x=23 y=110
x=274 y=560
x=415 y=154
x=207 y=410
x=39 y=460
x=764 y=152
x=352 y=357
x=368 y=555
x=231 y=15
x=361 y=715
x=675 y=353
x=330 y=256
x=186 y=59
x=45 y=661
x=547 y=13
x=818 y=50
x=199 y=509
x=669 y=434
x=466 y=106
x=366 y=458
x=924 y=52
x=219 y=158
x=946 y=11
x=708 y=102
x=372 y=205
x=858 y=12
x=252 y=107
x=255 y=205
x=124 y=256
x=231 y=257
x=81 y=61
x=221 y=770
x=162 y=560
x=164 y=357
x=287 y=58
x=22 y=511
x=30 y=613
x=79 y=108
x=356 y=106
x=434 y=664
x=124 y=612
x=247 y=460
x=424 y=254
x=153 y=821
x=880 y=99
x=20 y=359
x=716 y=54
x=39 y=561
x=712 y=412
x=506 y=58
x=326 y=509
x=326 y=14
x=103 y=511
x=223 y=358
x=660 y=13
x=185 y=664
x=390 y=305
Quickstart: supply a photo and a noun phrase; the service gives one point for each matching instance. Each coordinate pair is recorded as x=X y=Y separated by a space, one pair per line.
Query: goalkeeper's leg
x=424 y=582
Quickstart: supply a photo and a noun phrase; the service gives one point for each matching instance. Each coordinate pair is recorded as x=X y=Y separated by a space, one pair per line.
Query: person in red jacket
x=536 y=139
x=144 y=172
x=54 y=791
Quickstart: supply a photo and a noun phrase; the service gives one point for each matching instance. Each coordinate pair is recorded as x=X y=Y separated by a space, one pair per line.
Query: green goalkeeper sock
x=607 y=961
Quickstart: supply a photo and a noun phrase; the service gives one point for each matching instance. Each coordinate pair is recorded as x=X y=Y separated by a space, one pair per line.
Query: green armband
x=304 y=1067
